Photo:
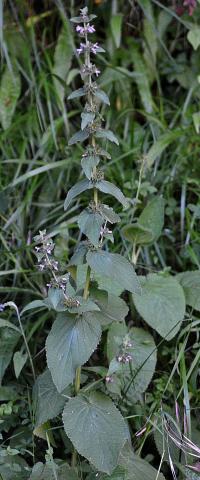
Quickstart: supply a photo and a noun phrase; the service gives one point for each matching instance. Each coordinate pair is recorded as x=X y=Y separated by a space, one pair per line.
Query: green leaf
x=78 y=188
x=152 y=217
x=8 y=341
x=137 y=468
x=48 y=403
x=10 y=89
x=80 y=19
x=32 y=305
x=196 y=121
x=191 y=475
x=87 y=118
x=162 y=304
x=101 y=95
x=96 y=429
x=77 y=93
x=193 y=37
x=114 y=266
x=108 y=187
x=109 y=214
x=90 y=224
x=134 y=380
x=79 y=137
x=6 y=323
x=142 y=80
x=108 y=134
x=116 y=28
x=63 y=57
x=190 y=282
x=69 y=345
x=118 y=474
x=138 y=234
x=112 y=308
x=50 y=469
x=19 y=361
x=89 y=163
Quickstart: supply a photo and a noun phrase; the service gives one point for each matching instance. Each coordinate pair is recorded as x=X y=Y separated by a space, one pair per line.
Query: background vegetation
x=151 y=73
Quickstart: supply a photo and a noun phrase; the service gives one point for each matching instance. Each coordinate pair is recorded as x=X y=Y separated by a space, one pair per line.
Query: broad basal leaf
x=69 y=345
x=10 y=88
x=48 y=403
x=190 y=282
x=136 y=375
x=90 y=224
x=137 y=468
x=114 y=266
x=161 y=304
x=96 y=429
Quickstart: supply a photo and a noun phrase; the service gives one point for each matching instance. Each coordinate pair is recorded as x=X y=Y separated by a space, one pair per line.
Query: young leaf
x=109 y=214
x=96 y=428
x=190 y=282
x=47 y=402
x=79 y=137
x=69 y=345
x=116 y=267
x=87 y=118
x=101 y=95
x=19 y=361
x=10 y=89
x=108 y=134
x=162 y=304
x=108 y=187
x=88 y=163
x=78 y=188
x=90 y=224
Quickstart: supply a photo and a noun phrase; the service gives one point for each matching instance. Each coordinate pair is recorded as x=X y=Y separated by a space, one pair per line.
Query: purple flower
x=90 y=28
x=191 y=4
x=2 y=307
x=87 y=29
x=81 y=49
x=94 y=47
x=97 y=72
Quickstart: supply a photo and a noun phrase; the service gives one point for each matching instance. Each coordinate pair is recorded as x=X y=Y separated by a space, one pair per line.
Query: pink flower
x=191 y=4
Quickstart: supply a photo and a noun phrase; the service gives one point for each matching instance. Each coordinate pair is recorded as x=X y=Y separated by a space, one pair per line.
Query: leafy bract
x=190 y=282
x=108 y=134
x=79 y=137
x=69 y=345
x=77 y=93
x=161 y=304
x=136 y=375
x=78 y=188
x=101 y=95
x=88 y=163
x=114 y=266
x=96 y=429
x=10 y=89
x=108 y=187
x=90 y=224
x=102 y=185
x=109 y=214
x=86 y=119
x=48 y=403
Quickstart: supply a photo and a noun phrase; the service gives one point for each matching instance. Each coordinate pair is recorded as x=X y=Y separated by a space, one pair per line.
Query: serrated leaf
x=48 y=403
x=109 y=214
x=80 y=92
x=87 y=118
x=10 y=89
x=161 y=304
x=69 y=345
x=78 y=188
x=116 y=28
x=116 y=267
x=108 y=134
x=90 y=224
x=89 y=163
x=108 y=187
x=112 y=308
x=19 y=360
x=190 y=282
x=8 y=341
x=62 y=57
x=134 y=381
x=80 y=136
x=101 y=95
x=96 y=429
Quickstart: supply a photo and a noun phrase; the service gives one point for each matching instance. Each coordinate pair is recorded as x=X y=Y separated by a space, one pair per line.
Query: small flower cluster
x=60 y=282
x=44 y=253
x=2 y=307
x=89 y=46
x=86 y=29
x=90 y=70
x=124 y=356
